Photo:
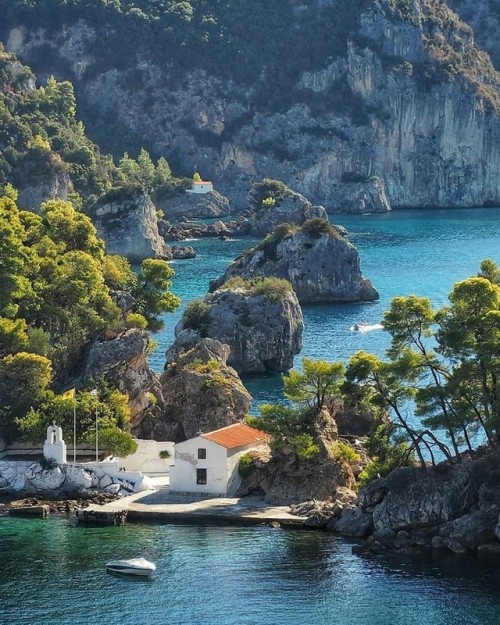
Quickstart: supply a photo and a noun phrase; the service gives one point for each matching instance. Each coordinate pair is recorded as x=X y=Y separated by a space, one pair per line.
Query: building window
x=202 y=454
x=201 y=476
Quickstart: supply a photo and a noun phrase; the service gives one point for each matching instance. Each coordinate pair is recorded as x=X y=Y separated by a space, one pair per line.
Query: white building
x=203 y=186
x=208 y=463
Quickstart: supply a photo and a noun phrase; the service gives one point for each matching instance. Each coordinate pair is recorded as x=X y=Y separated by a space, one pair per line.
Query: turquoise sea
x=404 y=252
x=53 y=573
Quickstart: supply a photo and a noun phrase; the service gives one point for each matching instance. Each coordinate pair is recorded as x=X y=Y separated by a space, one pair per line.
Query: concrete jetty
x=162 y=506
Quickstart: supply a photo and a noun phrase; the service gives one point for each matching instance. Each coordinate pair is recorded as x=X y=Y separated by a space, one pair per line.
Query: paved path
x=161 y=505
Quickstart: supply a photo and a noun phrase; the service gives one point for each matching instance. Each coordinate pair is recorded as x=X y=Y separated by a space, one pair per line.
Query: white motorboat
x=134 y=566
x=360 y=326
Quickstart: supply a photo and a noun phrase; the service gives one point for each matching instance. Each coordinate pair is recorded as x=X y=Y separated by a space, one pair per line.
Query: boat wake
x=366 y=327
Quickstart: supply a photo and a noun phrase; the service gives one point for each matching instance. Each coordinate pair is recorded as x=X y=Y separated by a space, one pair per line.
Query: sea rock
x=350 y=422
x=419 y=498
x=262 y=329
x=294 y=208
x=320 y=264
x=201 y=393
x=183 y=252
x=123 y=359
x=472 y=529
x=211 y=204
x=127 y=221
x=354 y=522
x=360 y=197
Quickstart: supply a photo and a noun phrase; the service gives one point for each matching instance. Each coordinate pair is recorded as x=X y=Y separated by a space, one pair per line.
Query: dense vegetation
x=56 y=296
x=41 y=139
x=446 y=361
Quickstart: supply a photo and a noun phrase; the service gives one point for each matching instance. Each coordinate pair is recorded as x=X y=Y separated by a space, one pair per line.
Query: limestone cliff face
x=54 y=185
x=406 y=97
x=320 y=266
x=129 y=226
x=263 y=330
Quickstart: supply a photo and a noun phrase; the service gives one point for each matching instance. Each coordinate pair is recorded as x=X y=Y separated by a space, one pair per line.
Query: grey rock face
x=56 y=185
x=354 y=522
x=323 y=268
x=418 y=498
x=433 y=136
x=212 y=204
x=129 y=226
x=295 y=209
x=360 y=198
x=124 y=360
x=201 y=392
x=263 y=333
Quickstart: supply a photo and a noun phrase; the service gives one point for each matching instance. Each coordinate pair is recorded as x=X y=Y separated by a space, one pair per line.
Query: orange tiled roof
x=236 y=435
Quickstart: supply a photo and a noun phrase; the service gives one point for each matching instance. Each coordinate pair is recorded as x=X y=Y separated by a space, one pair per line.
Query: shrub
x=342 y=451
x=165 y=454
x=276 y=289
x=48 y=464
x=245 y=465
x=304 y=446
x=316 y=227
x=196 y=316
x=136 y=320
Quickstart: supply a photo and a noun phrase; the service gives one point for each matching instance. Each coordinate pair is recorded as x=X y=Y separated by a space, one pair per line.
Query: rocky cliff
x=123 y=360
x=261 y=323
x=397 y=90
x=201 y=393
x=320 y=264
x=128 y=223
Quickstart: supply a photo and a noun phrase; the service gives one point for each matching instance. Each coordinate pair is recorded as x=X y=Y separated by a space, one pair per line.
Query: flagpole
x=96 y=437
x=74 y=430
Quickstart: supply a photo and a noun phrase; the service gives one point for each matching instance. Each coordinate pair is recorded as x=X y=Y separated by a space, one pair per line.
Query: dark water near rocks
x=420 y=252
x=52 y=573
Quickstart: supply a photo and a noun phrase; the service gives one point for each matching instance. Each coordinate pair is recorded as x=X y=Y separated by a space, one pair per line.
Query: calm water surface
x=420 y=252
x=52 y=572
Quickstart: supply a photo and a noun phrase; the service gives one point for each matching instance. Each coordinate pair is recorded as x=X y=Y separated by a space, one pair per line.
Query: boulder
x=354 y=522
x=419 y=498
x=295 y=209
x=263 y=328
x=127 y=221
x=201 y=393
x=472 y=529
x=320 y=264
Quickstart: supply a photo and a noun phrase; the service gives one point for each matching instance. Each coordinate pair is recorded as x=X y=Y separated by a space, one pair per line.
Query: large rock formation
x=320 y=264
x=211 y=204
x=262 y=325
x=397 y=90
x=128 y=223
x=286 y=478
x=123 y=359
x=201 y=393
x=454 y=507
x=273 y=203
x=52 y=184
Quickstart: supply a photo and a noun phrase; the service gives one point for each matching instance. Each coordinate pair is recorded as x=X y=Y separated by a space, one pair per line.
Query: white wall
x=183 y=473
x=147 y=457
